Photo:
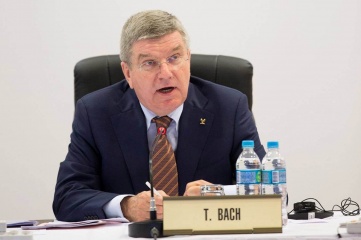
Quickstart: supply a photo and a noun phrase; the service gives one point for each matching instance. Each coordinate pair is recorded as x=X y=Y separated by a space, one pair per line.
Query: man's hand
x=136 y=208
x=194 y=188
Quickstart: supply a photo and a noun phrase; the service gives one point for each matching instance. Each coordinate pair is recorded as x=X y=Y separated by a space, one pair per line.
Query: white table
x=323 y=229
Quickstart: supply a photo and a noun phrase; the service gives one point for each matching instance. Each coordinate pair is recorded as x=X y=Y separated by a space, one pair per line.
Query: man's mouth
x=166 y=89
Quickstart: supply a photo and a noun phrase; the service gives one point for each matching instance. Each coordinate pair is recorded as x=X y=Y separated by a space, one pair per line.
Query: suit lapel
x=131 y=131
x=194 y=127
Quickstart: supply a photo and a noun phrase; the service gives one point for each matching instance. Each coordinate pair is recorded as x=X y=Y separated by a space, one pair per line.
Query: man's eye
x=150 y=63
x=173 y=58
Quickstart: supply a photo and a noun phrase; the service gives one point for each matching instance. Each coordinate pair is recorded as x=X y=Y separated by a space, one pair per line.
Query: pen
x=154 y=190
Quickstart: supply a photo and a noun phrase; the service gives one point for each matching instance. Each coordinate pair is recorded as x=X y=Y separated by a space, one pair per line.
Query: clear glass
x=212 y=190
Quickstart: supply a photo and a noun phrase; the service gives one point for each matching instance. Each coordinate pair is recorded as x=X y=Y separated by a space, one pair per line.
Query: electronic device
x=307 y=210
x=352 y=226
x=301 y=207
x=310 y=215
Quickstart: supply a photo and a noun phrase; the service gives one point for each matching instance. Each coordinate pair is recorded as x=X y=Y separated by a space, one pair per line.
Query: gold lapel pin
x=203 y=121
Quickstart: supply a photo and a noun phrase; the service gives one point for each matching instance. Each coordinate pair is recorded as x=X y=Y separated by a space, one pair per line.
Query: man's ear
x=126 y=72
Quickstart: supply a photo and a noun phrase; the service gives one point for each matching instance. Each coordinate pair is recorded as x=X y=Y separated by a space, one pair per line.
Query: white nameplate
x=222 y=214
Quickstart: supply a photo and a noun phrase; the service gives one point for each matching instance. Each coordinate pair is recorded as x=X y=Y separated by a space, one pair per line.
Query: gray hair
x=148 y=25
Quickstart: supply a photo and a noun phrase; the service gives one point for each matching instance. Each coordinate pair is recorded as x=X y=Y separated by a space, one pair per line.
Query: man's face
x=165 y=87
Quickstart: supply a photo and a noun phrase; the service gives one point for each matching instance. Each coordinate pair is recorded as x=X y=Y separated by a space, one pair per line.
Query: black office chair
x=95 y=73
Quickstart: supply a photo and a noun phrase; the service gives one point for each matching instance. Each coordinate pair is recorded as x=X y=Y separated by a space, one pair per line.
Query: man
x=106 y=168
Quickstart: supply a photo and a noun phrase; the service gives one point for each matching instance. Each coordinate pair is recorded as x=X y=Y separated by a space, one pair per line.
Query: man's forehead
x=167 y=43
x=146 y=54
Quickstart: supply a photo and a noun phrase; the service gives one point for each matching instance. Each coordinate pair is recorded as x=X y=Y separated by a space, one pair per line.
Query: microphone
x=152 y=228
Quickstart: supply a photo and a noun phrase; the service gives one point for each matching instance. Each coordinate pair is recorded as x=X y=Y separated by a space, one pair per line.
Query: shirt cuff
x=112 y=209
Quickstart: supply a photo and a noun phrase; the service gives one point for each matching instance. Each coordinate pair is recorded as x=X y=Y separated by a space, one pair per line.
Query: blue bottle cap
x=272 y=144
x=248 y=143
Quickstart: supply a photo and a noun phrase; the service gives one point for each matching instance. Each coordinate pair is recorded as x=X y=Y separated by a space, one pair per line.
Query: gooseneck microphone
x=152 y=228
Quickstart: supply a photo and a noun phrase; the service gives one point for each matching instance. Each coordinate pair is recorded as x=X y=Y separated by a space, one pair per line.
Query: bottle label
x=274 y=176
x=282 y=174
x=249 y=176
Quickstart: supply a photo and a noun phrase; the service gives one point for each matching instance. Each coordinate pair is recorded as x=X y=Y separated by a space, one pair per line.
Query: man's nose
x=164 y=70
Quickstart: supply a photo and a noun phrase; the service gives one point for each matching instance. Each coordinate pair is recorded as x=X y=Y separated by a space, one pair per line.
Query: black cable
x=346 y=203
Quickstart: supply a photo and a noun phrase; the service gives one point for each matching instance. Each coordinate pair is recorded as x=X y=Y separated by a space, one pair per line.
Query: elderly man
x=202 y=125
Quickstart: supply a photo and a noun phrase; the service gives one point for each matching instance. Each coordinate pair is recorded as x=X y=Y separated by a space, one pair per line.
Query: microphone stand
x=152 y=228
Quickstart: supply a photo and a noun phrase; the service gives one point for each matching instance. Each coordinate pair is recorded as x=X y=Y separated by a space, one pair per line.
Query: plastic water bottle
x=248 y=170
x=274 y=176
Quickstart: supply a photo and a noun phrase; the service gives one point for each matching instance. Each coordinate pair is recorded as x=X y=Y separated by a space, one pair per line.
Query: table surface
x=295 y=229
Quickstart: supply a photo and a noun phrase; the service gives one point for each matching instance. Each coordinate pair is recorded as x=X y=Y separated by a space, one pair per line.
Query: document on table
x=20 y=223
x=87 y=223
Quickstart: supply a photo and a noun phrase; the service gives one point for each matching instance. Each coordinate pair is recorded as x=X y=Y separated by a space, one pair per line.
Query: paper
x=230 y=190
x=87 y=223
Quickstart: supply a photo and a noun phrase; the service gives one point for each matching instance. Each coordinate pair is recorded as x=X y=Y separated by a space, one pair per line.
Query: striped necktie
x=165 y=174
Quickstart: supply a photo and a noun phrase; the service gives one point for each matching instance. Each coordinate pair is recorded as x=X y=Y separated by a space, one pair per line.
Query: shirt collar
x=175 y=115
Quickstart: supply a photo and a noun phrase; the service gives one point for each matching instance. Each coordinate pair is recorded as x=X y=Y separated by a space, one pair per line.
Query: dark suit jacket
x=108 y=154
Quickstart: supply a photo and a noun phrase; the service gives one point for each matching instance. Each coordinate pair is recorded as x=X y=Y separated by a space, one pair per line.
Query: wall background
x=307 y=85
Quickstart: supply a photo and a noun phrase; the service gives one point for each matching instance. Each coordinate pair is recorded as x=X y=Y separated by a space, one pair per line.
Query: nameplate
x=222 y=215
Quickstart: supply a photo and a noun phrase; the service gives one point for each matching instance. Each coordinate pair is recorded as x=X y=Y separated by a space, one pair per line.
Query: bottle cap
x=272 y=144
x=248 y=143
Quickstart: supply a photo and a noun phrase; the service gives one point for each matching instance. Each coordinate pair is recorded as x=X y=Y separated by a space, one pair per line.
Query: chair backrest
x=95 y=73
